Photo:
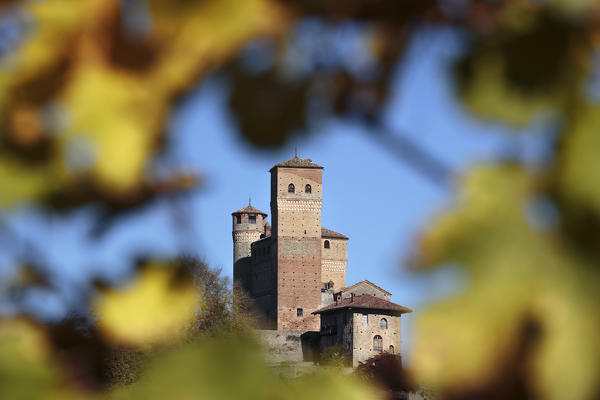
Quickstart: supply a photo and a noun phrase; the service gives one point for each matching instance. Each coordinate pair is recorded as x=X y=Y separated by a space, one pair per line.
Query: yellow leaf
x=22 y=184
x=26 y=370
x=516 y=275
x=149 y=310
x=579 y=162
x=118 y=118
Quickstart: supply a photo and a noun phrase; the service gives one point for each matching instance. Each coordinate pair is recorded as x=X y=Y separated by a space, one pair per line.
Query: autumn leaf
x=155 y=308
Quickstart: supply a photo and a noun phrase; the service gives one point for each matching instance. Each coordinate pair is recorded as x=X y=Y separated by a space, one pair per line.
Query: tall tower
x=296 y=201
x=248 y=226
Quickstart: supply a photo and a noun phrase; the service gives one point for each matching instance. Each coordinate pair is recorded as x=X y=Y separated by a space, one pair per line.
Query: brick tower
x=249 y=224
x=296 y=200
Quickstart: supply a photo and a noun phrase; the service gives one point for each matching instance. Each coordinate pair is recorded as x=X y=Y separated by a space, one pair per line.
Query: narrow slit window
x=299 y=312
x=326 y=244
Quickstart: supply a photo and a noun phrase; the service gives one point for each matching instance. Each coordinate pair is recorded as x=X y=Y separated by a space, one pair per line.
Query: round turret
x=248 y=226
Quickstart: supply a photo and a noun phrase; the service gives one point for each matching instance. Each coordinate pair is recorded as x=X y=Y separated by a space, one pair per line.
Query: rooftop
x=347 y=288
x=365 y=302
x=328 y=233
x=297 y=162
x=248 y=210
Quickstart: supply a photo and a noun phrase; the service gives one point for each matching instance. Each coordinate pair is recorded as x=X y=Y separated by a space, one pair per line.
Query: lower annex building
x=295 y=270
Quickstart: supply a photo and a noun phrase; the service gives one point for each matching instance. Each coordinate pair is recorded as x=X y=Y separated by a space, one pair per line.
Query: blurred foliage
x=525 y=326
x=123 y=355
x=227 y=368
x=156 y=307
x=26 y=367
x=335 y=356
x=385 y=371
x=86 y=90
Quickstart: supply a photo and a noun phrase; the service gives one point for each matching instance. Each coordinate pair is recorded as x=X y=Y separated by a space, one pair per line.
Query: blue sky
x=369 y=195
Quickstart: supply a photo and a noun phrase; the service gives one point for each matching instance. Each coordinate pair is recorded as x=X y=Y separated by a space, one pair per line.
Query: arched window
x=307 y=189
x=378 y=344
x=326 y=244
x=391 y=351
x=383 y=323
x=291 y=188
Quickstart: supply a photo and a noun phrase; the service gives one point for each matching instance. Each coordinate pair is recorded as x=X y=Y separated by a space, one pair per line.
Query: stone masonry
x=295 y=271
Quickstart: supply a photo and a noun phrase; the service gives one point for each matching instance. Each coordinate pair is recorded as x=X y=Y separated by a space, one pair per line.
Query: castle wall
x=288 y=346
x=364 y=332
x=337 y=330
x=334 y=261
x=263 y=281
x=297 y=229
x=257 y=279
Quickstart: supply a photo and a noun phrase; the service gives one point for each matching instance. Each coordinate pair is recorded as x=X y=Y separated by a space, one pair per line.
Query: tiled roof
x=297 y=162
x=328 y=233
x=248 y=210
x=365 y=302
x=347 y=288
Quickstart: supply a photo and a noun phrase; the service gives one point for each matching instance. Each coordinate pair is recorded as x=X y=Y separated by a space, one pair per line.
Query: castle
x=295 y=270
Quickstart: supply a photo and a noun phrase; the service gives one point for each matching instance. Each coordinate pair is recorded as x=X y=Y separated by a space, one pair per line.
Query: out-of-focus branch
x=414 y=156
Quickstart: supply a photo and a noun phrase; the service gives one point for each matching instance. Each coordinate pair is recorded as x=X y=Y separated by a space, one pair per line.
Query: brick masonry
x=287 y=269
x=334 y=261
x=297 y=230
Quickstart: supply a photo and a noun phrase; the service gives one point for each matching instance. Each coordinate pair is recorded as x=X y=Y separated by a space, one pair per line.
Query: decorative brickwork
x=334 y=257
x=287 y=274
x=295 y=271
x=297 y=229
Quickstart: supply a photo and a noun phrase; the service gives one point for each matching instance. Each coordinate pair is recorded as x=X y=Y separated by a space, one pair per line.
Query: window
x=252 y=219
x=378 y=344
x=307 y=189
x=238 y=219
x=391 y=351
x=291 y=188
x=383 y=323
x=326 y=245
x=299 y=312
x=365 y=318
